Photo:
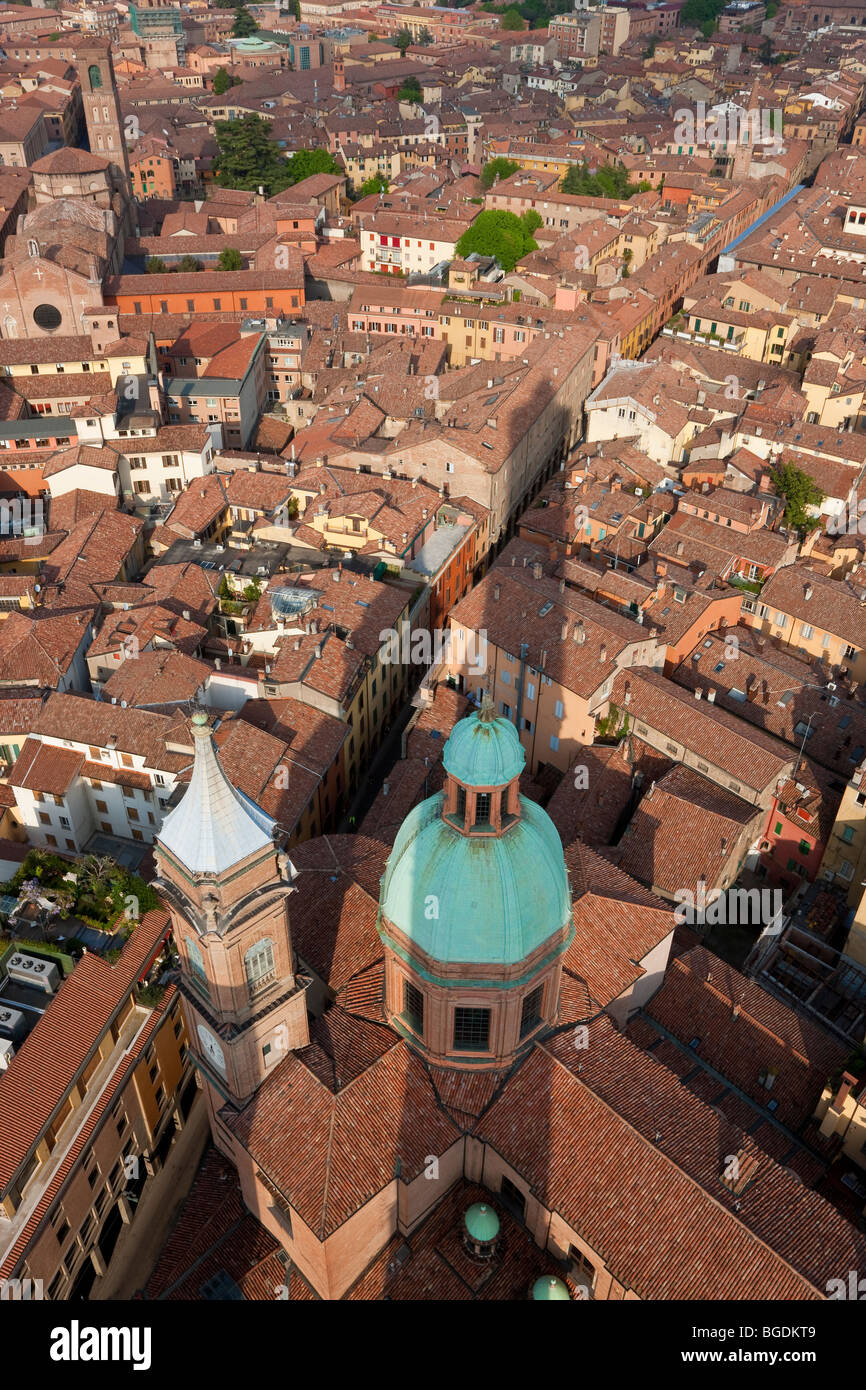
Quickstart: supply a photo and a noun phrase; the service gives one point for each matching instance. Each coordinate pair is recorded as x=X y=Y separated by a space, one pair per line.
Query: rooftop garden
x=95 y=890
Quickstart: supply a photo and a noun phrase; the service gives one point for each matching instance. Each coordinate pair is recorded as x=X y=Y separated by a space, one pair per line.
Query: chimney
x=335 y=576
x=563 y=635
x=602 y=653
x=808 y=591
x=844 y=1090
x=537 y=570
x=711 y=696
x=186 y=615
x=217 y=663
x=579 y=635
x=496 y=591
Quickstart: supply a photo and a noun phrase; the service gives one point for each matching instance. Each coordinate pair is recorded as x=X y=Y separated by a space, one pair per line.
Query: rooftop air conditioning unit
x=30 y=970
x=11 y=1021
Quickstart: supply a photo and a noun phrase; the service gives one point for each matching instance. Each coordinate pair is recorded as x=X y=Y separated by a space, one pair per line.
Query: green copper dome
x=476 y=899
x=483 y=750
x=550 y=1288
x=482 y=1223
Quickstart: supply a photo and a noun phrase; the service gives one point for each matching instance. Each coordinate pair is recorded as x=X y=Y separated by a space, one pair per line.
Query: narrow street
x=375 y=775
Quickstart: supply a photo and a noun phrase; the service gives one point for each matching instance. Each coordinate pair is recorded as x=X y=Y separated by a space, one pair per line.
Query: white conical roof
x=214 y=826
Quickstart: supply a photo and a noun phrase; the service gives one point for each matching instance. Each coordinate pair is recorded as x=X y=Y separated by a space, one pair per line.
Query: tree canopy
x=701 y=14
x=377 y=184
x=498 y=233
x=498 y=169
x=244 y=24
x=230 y=259
x=304 y=163
x=609 y=181
x=512 y=19
x=249 y=158
x=222 y=81
x=188 y=264
x=403 y=38
x=410 y=90
x=800 y=493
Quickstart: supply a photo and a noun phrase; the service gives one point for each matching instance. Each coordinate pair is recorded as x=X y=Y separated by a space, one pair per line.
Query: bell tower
x=227 y=886
x=102 y=115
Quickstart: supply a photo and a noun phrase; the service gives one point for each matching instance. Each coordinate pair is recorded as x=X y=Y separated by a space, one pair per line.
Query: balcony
x=259 y=985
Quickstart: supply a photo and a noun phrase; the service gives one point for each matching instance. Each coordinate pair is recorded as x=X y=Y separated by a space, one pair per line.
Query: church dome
x=485 y=900
x=484 y=752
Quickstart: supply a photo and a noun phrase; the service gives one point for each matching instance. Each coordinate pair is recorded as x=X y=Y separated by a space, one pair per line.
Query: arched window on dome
x=94 y=77
x=259 y=965
x=196 y=964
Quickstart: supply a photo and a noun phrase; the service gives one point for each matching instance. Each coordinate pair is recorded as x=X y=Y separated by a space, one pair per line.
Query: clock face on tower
x=211 y=1049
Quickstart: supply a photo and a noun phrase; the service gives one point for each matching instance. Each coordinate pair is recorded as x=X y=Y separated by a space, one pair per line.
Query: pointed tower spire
x=214 y=825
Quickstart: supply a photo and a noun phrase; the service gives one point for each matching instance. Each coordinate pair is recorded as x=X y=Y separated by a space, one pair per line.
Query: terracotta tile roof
x=832 y=605
x=763 y=1035
x=156 y=678
x=712 y=1254
x=146 y=624
x=137 y=732
x=687 y=830
x=744 y=753
x=39 y=651
x=50 y=1058
x=352 y=1140
x=43 y=767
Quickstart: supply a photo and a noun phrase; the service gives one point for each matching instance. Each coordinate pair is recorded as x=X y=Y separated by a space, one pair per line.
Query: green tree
x=230 y=259
x=701 y=14
x=500 y=234
x=244 y=24
x=187 y=265
x=609 y=181
x=532 y=220
x=156 y=265
x=800 y=493
x=304 y=163
x=512 y=19
x=410 y=91
x=425 y=37
x=222 y=82
x=248 y=157
x=377 y=184
x=498 y=169
x=402 y=39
